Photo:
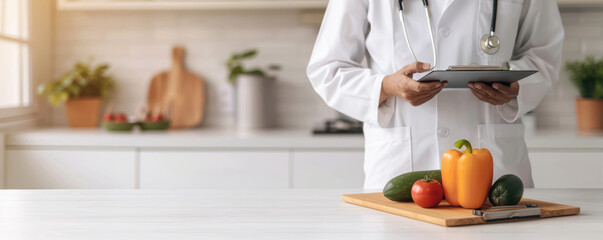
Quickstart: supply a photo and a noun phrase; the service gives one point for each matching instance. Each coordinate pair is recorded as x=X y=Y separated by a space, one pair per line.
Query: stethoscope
x=489 y=42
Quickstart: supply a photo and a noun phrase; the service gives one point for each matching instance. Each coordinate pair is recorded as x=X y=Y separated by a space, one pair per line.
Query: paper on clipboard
x=461 y=76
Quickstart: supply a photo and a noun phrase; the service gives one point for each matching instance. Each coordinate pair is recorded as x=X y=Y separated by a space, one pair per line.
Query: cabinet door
x=214 y=170
x=328 y=169
x=567 y=169
x=61 y=169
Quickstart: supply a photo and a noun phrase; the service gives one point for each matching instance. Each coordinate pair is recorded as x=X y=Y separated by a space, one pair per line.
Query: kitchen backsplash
x=137 y=46
x=583 y=36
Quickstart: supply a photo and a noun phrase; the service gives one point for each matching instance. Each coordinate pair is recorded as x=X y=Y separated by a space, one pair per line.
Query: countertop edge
x=269 y=139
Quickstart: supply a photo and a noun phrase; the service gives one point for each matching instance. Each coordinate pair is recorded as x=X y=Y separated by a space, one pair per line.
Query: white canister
x=254 y=102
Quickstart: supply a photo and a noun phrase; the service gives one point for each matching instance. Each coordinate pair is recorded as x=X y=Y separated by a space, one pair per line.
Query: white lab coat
x=399 y=137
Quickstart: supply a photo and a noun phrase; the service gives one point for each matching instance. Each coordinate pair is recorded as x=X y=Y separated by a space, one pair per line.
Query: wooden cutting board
x=179 y=93
x=446 y=215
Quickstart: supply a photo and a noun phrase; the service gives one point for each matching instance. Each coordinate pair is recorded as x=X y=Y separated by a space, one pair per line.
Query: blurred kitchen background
x=135 y=38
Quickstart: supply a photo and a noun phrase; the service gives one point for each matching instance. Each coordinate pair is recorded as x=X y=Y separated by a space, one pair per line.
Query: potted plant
x=253 y=91
x=587 y=75
x=82 y=89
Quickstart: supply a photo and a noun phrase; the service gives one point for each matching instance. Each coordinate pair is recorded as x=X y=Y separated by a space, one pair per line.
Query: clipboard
x=461 y=76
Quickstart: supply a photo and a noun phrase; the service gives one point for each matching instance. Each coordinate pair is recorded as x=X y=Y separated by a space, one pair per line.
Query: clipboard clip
x=476 y=67
x=501 y=213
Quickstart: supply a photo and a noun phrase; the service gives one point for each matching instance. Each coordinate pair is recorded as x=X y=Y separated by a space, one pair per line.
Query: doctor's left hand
x=497 y=94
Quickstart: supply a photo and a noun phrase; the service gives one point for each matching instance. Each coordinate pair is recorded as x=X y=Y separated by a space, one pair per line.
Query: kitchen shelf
x=81 y=5
x=104 y=5
x=579 y=3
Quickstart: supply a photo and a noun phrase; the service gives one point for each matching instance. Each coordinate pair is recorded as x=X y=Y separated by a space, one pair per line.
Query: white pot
x=254 y=102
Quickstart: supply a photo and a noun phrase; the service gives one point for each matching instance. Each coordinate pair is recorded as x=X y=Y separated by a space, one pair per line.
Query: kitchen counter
x=199 y=138
x=260 y=214
x=273 y=139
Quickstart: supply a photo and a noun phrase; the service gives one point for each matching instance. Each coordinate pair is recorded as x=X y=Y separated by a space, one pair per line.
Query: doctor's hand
x=497 y=94
x=401 y=84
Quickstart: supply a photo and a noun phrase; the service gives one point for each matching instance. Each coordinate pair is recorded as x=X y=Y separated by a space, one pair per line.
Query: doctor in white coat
x=408 y=125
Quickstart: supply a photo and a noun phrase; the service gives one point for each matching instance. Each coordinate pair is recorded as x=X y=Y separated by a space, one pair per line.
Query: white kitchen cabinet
x=73 y=169
x=211 y=169
x=567 y=169
x=208 y=158
x=327 y=169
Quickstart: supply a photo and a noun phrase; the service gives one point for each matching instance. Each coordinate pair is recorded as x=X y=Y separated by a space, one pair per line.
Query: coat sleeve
x=335 y=69
x=538 y=46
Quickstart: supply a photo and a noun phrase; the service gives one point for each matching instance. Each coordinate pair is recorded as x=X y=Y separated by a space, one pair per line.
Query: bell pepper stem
x=463 y=142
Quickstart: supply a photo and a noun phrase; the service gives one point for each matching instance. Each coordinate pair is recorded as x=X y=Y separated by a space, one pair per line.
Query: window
x=15 y=62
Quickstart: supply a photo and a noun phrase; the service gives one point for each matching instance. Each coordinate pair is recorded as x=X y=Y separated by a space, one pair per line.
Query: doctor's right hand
x=401 y=84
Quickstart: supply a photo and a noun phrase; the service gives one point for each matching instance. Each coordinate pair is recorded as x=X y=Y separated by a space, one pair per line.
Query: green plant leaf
x=244 y=55
x=234 y=73
x=100 y=70
x=256 y=72
x=68 y=80
x=274 y=67
x=64 y=96
x=73 y=91
x=82 y=78
x=235 y=66
x=231 y=63
x=587 y=76
x=248 y=54
x=81 y=81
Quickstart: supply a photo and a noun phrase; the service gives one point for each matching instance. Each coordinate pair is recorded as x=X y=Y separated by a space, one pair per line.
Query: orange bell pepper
x=466 y=175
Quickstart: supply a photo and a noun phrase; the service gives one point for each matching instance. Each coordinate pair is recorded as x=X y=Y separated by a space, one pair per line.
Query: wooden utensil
x=180 y=91
x=446 y=215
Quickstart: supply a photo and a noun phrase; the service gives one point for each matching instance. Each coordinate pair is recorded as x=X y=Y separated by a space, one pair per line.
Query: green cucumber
x=507 y=190
x=398 y=188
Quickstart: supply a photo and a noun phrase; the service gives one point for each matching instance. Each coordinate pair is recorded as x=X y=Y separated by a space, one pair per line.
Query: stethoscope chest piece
x=490 y=44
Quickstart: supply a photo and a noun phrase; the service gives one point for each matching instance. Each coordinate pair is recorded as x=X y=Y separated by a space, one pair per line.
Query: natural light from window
x=15 y=67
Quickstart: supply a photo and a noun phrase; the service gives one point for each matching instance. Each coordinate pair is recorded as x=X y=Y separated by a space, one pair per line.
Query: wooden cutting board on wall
x=179 y=93
x=446 y=215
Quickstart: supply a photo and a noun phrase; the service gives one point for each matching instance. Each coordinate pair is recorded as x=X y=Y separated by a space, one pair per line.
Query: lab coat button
x=443 y=132
x=444 y=31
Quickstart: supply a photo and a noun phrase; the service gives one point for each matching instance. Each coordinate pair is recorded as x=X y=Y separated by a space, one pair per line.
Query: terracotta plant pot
x=589 y=114
x=84 y=112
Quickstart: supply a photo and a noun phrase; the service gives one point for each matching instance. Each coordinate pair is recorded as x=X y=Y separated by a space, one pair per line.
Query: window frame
x=7 y=113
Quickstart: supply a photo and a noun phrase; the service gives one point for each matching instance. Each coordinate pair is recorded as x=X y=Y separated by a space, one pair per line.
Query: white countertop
x=273 y=139
x=260 y=214
x=199 y=138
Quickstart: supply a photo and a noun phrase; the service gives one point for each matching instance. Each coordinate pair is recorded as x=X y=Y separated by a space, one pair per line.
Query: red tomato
x=108 y=117
x=427 y=193
x=157 y=118
x=121 y=118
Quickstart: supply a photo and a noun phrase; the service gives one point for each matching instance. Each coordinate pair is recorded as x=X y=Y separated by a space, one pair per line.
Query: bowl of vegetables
x=117 y=122
x=154 y=122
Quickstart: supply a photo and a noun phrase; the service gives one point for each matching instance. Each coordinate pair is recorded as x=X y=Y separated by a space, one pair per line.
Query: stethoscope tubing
x=428 y=15
x=435 y=57
x=494 y=15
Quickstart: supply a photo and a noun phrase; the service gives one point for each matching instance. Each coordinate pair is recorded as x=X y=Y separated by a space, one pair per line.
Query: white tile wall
x=584 y=36
x=137 y=45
